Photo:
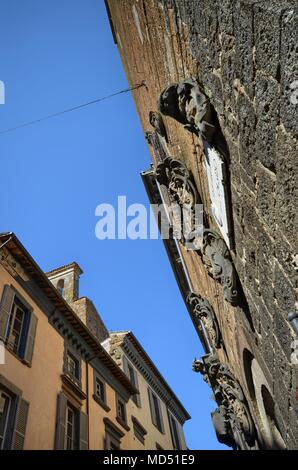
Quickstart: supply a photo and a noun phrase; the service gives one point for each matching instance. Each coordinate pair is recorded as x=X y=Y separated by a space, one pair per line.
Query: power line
x=69 y=110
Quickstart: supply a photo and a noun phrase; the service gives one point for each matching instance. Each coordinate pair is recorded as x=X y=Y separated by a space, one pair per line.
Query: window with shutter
x=61 y=421
x=5 y=309
x=83 y=431
x=155 y=408
x=5 y=407
x=132 y=374
x=17 y=324
x=20 y=425
x=174 y=427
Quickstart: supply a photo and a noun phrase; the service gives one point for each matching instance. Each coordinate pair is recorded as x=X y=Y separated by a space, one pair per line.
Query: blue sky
x=58 y=54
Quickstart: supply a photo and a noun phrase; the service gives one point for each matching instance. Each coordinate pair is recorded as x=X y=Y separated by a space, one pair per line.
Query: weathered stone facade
x=243 y=54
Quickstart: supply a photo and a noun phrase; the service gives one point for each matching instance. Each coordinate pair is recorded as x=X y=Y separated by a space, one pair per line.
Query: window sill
x=101 y=403
x=67 y=380
x=19 y=358
x=122 y=423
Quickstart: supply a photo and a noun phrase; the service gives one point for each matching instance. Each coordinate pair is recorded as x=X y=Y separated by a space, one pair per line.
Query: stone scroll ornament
x=231 y=419
x=201 y=310
x=186 y=103
x=158 y=138
x=217 y=259
x=174 y=175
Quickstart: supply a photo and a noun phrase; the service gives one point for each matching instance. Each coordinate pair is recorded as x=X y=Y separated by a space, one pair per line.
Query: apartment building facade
x=60 y=388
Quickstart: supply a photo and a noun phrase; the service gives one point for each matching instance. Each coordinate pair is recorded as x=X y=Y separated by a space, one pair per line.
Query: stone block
x=284 y=292
x=289 y=70
x=286 y=187
x=266 y=181
x=243 y=21
x=286 y=257
x=283 y=333
x=225 y=16
x=247 y=126
x=267 y=37
x=267 y=103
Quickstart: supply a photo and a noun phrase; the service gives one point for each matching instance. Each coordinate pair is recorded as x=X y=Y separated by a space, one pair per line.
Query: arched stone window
x=263 y=402
x=60 y=286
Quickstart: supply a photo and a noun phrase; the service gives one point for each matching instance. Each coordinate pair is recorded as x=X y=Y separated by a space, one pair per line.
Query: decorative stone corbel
x=157 y=123
x=232 y=419
x=158 y=138
x=174 y=175
x=186 y=103
x=201 y=310
x=217 y=259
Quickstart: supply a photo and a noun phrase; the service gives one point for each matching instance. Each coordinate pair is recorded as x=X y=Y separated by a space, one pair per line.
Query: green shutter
x=60 y=423
x=137 y=397
x=20 y=425
x=125 y=366
x=83 y=431
x=30 y=339
x=152 y=409
x=5 y=309
x=162 y=428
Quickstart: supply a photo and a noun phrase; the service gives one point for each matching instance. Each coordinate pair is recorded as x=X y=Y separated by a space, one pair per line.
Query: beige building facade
x=60 y=388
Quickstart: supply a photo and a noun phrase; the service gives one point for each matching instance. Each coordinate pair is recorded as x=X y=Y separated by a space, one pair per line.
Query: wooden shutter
x=30 y=339
x=5 y=309
x=152 y=408
x=137 y=397
x=20 y=425
x=162 y=428
x=60 y=423
x=83 y=431
x=125 y=366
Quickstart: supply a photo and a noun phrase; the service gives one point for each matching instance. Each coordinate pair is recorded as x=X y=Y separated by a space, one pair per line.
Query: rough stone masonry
x=243 y=53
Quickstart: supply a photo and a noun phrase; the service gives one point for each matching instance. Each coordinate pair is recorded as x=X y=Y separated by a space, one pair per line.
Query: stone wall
x=244 y=55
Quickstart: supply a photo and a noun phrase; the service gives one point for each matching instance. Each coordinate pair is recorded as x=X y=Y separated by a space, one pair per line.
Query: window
x=133 y=377
x=17 y=324
x=71 y=431
x=155 y=409
x=72 y=365
x=100 y=389
x=71 y=426
x=60 y=287
x=5 y=403
x=121 y=410
x=113 y=435
x=99 y=394
x=13 y=416
x=175 y=432
x=138 y=430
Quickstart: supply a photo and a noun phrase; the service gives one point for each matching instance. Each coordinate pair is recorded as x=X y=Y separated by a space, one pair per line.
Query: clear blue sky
x=56 y=54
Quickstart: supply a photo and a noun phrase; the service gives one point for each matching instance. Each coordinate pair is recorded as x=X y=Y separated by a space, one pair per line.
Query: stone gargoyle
x=217 y=259
x=185 y=102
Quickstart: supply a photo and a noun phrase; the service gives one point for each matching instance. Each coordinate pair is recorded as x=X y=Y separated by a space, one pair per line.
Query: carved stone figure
x=157 y=123
x=232 y=420
x=216 y=257
x=203 y=311
x=185 y=102
x=182 y=192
